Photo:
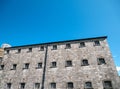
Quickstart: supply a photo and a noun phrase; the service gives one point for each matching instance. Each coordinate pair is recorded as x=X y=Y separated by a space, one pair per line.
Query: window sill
x=85 y=65
x=89 y=88
x=38 y=67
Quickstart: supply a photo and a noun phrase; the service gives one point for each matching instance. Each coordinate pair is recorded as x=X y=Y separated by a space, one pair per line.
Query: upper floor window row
x=68 y=63
x=54 y=47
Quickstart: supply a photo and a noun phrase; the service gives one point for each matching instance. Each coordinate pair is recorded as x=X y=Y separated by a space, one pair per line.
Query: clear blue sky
x=34 y=21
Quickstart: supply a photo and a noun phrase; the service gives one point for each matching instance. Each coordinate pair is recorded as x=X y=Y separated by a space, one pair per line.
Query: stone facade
x=53 y=72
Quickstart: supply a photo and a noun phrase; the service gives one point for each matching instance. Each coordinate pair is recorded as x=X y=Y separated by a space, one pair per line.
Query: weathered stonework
x=61 y=74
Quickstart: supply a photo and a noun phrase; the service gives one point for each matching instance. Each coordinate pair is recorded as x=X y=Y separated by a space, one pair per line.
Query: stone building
x=73 y=64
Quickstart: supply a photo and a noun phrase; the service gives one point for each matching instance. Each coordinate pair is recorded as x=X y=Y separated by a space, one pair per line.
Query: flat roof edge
x=58 y=42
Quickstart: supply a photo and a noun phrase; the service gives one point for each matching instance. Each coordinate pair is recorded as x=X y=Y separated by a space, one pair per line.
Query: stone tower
x=72 y=64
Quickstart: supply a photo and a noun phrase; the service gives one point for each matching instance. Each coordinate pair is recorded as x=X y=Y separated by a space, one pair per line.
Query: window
x=107 y=85
x=101 y=61
x=42 y=48
x=8 y=51
x=14 y=66
x=82 y=44
x=19 y=50
x=39 y=65
x=70 y=85
x=9 y=85
x=53 y=64
x=30 y=50
x=85 y=62
x=68 y=63
x=1 y=59
x=53 y=85
x=96 y=43
x=1 y=67
x=22 y=86
x=26 y=66
x=54 y=47
x=37 y=85
x=88 y=85
x=68 y=46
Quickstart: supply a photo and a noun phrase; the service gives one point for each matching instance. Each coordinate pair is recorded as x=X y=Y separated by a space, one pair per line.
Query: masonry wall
x=61 y=74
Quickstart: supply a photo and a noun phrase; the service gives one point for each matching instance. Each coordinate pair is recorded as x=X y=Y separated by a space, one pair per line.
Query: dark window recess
x=39 y=65
x=68 y=63
x=54 y=47
x=19 y=50
x=70 y=85
x=30 y=50
x=101 y=61
x=85 y=62
x=22 y=86
x=26 y=66
x=68 y=46
x=107 y=85
x=96 y=43
x=88 y=85
x=9 y=85
x=42 y=48
x=1 y=67
x=53 y=85
x=14 y=67
x=53 y=64
x=8 y=51
x=82 y=44
x=37 y=85
x=1 y=59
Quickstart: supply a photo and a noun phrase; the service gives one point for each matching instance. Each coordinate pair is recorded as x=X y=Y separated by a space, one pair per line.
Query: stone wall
x=61 y=74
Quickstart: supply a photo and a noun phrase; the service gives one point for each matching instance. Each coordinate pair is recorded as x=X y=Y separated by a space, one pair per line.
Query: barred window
x=107 y=84
x=1 y=67
x=101 y=61
x=68 y=46
x=54 y=47
x=82 y=44
x=42 y=48
x=22 y=85
x=53 y=85
x=88 y=85
x=37 y=85
x=9 y=85
x=70 y=85
x=96 y=43
x=85 y=62
x=26 y=66
x=68 y=63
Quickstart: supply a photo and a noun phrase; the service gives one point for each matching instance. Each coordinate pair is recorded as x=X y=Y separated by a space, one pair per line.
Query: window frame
x=54 y=47
x=22 y=85
x=70 y=85
x=42 y=48
x=88 y=87
x=39 y=65
x=26 y=65
x=2 y=67
x=97 y=43
x=37 y=86
x=68 y=46
x=68 y=63
x=14 y=67
x=111 y=86
x=9 y=85
x=85 y=62
x=99 y=60
x=52 y=85
x=82 y=44
x=53 y=64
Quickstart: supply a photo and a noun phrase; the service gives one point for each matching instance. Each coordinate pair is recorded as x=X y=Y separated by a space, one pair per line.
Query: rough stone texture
x=60 y=75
